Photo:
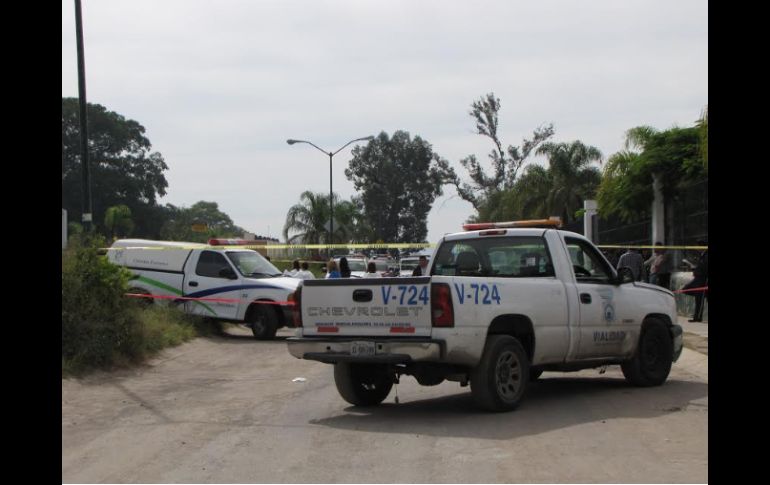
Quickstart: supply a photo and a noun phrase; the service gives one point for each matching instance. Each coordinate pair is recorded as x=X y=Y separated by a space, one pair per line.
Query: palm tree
x=573 y=180
x=531 y=194
x=349 y=221
x=308 y=219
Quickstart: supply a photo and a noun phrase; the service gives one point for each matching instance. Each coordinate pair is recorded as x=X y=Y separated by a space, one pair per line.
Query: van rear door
x=367 y=307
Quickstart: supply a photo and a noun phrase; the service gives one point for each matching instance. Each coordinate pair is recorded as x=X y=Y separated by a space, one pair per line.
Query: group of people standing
x=658 y=266
x=342 y=270
x=301 y=271
x=661 y=265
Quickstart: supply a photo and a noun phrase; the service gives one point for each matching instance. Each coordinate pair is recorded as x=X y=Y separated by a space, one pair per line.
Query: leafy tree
x=123 y=169
x=505 y=163
x=179 y=226
x=672 y=155
x=117 y=220
x=398 y=178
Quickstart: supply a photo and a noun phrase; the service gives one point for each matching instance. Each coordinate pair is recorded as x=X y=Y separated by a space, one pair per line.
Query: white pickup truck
x=224 y=283
x=500 y=307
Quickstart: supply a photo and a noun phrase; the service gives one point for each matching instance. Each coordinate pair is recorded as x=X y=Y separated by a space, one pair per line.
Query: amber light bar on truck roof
x=551 y=222
x=231 y=242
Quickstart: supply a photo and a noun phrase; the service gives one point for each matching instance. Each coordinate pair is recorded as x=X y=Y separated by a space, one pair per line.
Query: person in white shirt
x=294 y=269
x=304 y=273
x=371 y=271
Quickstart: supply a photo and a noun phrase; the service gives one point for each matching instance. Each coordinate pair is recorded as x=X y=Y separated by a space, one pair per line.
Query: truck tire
x=653 y=357
x=500 y=380
x=362 y=384
x=264 y=322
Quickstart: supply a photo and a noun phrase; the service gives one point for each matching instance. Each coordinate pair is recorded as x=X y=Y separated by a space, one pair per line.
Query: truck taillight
x=442 y=311
x=296 y=309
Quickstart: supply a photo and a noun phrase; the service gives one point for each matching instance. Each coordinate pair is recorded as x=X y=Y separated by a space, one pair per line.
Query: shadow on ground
x=550 y=404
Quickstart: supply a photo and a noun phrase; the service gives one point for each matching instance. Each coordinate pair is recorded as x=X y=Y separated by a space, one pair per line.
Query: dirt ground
x=232 y=410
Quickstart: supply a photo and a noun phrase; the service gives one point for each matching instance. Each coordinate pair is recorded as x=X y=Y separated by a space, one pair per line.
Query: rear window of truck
x=502 y=257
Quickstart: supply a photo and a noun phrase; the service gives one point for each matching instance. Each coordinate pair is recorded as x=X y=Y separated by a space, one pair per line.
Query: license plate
x=362 y=349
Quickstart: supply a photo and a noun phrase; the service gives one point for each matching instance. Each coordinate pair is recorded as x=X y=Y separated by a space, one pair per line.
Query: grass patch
x=163 y=327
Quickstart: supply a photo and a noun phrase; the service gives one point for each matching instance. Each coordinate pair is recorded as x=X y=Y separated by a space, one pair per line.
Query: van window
x=252 y=264
x=210 y=264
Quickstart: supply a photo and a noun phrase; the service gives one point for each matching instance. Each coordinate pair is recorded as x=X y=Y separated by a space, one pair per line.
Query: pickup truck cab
x=501 y=305
x=224 y=283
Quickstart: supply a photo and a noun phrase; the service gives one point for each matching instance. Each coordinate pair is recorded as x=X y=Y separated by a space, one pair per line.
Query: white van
x=226 y=283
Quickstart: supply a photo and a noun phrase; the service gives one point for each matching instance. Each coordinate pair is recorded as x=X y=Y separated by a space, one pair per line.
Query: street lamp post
x=331 y=155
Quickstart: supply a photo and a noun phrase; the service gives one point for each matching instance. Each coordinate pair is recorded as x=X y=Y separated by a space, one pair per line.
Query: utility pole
x=86 y=193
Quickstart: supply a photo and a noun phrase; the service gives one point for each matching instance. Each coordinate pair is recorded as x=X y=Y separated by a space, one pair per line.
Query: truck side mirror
x=228 y=273
x=625 y=275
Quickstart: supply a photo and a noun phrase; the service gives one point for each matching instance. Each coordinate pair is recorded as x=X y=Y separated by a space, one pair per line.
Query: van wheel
x=654 y=355
x=362 y=384
x=500 y=380
x=264 y=322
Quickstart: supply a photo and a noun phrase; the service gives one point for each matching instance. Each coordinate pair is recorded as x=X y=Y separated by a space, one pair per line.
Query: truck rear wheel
x=654 y=355
x=500 y=380
x=264 y=322
x=362 y=384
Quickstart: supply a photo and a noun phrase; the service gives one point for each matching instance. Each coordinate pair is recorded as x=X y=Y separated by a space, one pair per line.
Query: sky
x=221 y=85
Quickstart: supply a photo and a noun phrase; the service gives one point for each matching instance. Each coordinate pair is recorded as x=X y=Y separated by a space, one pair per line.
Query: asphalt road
x=227 y=410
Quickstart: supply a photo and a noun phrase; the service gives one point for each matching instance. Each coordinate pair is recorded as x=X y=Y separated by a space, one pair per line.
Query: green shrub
x=100 y=326
x=97 y=320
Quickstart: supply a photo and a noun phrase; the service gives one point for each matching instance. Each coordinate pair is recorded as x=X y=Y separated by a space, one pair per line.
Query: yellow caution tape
x=292 y=246
x=372 y=246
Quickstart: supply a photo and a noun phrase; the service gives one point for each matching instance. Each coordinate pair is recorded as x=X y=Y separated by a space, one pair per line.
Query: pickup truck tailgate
x=366 y=307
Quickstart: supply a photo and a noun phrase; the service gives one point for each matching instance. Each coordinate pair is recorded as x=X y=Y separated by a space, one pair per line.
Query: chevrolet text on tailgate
x=503 y=303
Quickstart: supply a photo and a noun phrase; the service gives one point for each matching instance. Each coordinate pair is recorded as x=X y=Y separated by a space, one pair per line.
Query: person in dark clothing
x=700 y=279
x=344 y=268
x=632 y=259
x=422 y=269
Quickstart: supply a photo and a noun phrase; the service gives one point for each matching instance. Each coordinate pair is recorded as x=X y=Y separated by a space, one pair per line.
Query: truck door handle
x=362 y=295
x=193 y=283
x=585 y=298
